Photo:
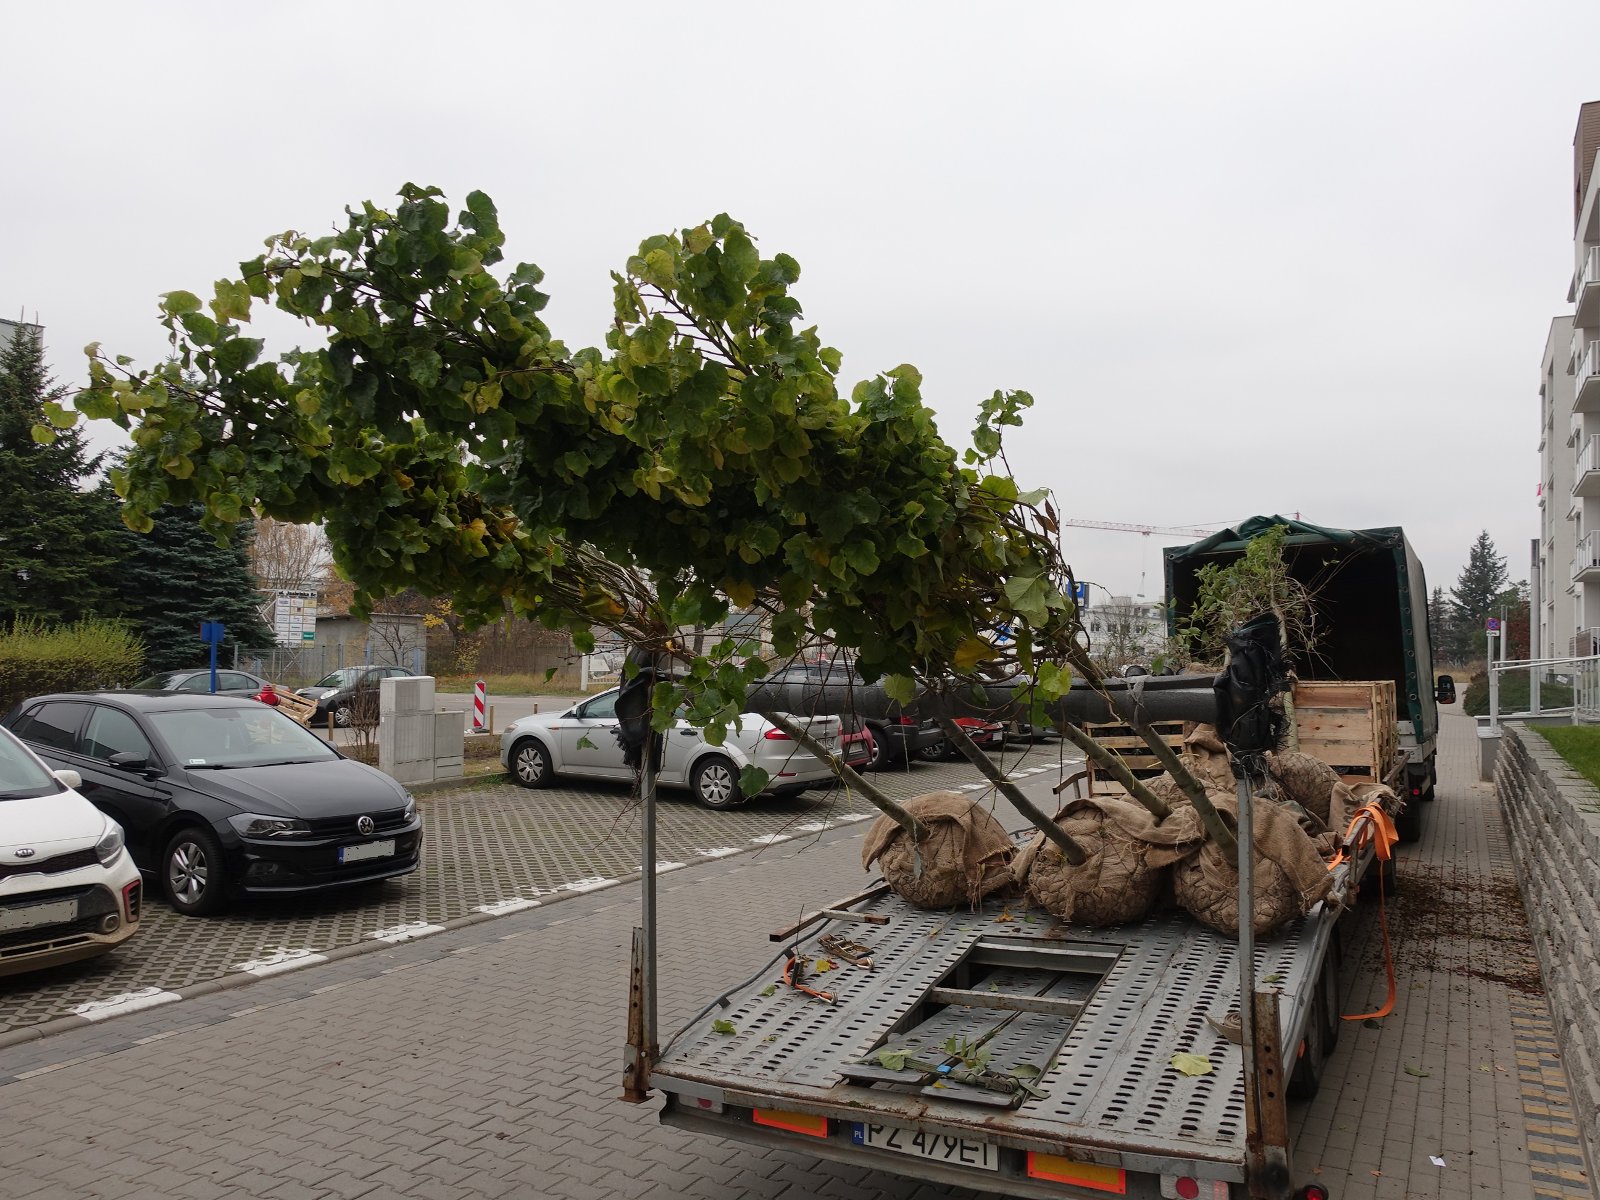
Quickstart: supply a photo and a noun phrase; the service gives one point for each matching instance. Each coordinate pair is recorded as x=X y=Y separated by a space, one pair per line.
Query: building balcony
x=1586 y=384
x=1586 y=471
x=1586 y=291
x=1576 y=431
x=1586 y=558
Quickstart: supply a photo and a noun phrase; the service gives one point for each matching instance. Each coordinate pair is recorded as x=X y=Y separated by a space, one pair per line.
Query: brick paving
x=486 y=1061
x=485 y=843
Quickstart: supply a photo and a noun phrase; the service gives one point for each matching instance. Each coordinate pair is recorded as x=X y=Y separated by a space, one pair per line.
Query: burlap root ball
x=964 y=856
x=1308 y=781
x=1289 y=875
x=1117 y=885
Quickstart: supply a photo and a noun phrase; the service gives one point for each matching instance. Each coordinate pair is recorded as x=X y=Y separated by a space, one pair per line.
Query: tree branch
x=1117 y=769
x=889 y=808
x=1192 y=788
x=1070 y=849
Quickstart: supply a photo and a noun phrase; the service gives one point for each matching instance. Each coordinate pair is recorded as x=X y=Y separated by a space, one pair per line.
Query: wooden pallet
x=1350 y=725
x=296 y=708
x=1127 y=745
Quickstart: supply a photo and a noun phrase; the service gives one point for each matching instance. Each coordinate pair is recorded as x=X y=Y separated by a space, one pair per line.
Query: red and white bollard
x=480 y=697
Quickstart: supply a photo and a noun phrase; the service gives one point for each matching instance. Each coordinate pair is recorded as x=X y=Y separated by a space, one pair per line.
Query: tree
x=1477 y=588
x=1443 y=628
x=176 y=576
x=287 y=556
x=58 y=544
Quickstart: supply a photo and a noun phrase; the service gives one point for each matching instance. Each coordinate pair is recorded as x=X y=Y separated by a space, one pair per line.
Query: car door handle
x=687 y=733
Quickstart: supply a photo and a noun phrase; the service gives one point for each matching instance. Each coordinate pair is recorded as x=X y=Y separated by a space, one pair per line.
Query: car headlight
x=110 y=843
x=251 y=825
x=410 y=813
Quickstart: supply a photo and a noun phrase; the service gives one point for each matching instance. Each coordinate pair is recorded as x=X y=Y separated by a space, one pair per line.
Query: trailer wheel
x=1306 y=1078
x=1332 y=1000
x=1409 y=823
x=1431 y=793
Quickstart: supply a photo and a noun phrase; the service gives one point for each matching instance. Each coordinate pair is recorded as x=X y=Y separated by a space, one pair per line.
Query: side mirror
x=69 y=777
x=129 y=760
x=1445 y=690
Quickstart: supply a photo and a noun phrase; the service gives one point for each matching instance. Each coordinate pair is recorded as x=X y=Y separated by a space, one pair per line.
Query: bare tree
x=285 y=556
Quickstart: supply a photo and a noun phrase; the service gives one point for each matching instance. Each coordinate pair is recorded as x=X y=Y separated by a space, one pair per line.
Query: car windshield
x=157 y=683
x=246 y=736
x=340 y=678
x=21 y=775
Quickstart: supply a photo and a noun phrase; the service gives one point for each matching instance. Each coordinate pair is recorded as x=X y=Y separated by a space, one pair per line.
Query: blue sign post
x=211 y=634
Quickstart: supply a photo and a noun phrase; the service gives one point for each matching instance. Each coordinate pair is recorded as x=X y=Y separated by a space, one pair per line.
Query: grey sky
x=1247 y=257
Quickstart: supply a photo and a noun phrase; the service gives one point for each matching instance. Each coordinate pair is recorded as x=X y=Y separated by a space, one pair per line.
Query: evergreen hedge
x=86 y=655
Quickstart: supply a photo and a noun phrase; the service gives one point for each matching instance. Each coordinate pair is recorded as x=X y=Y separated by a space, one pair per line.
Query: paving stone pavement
x=486 y=1061
x=485 y=843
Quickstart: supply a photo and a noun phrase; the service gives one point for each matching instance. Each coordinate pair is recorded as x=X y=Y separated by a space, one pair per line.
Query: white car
x=68 y=888
x=582 y=742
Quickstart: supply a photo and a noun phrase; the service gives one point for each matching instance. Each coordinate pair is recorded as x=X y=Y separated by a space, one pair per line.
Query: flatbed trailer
x=1111 y=1007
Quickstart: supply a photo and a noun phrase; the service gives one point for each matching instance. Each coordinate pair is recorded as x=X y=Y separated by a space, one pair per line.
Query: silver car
x=582 y=742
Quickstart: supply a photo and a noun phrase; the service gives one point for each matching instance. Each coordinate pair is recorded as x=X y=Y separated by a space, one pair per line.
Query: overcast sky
x=1249 y=258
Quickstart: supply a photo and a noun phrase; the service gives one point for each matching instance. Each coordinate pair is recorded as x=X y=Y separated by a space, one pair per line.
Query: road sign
x=1492 y=625
x=211 y=633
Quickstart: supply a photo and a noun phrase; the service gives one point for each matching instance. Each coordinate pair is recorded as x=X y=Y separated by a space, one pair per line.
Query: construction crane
x=1147 y=530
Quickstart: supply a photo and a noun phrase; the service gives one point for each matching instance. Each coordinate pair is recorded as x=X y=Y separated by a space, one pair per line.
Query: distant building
x=1125 y=629
x=10 y=329
x=1570 y=437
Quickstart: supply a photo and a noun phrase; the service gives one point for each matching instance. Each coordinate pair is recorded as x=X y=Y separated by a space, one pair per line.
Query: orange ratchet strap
x=793 y=971
x=1372 y=824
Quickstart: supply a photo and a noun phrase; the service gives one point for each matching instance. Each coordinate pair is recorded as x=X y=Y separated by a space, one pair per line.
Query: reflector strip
x=806 y=1123
x=1086 y=1175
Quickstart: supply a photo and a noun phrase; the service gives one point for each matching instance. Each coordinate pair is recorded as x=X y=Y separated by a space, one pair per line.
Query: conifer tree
x=1478 y=587
x=58 y=543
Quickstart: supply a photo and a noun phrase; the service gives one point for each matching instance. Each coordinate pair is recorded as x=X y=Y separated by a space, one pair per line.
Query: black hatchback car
x=221 y=796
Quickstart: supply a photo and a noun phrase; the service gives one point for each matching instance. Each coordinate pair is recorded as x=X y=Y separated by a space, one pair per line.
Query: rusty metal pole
x=640 y=1054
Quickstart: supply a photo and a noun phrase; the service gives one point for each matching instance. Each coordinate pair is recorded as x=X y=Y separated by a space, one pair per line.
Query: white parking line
x=855 y=817
x=509 y=905
x=127 y=1002
x=662 y=868
x=718 y=852
x=281 y=959
x=592 y=884
x=404 y=933
x=769 y=839
x=814 y=826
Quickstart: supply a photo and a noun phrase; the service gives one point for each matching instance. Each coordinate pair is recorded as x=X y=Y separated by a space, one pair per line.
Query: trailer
x=1096 y=1017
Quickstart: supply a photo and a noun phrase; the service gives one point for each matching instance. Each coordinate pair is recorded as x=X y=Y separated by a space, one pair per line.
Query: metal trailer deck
x=1113 y=1112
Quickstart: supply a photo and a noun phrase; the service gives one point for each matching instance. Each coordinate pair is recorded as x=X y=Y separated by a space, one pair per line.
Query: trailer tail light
x=807 y=1123
x=1312 y=1191
x=1187 y=1187
x=1416 y=791
x=1113 y=1180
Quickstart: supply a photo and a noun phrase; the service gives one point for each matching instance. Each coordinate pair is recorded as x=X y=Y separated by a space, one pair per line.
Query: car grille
x=94 y=902
x=386 y=822
x=51 y=866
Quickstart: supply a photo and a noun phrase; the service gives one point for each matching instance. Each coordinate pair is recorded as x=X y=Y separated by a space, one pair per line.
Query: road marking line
x=281 y=959
x=509 y=905
x=769 y=839
x=855 y=817
x=99 y=1010
x=662 y=868
x=404 y=933
x=718 y=852
x=814 y=826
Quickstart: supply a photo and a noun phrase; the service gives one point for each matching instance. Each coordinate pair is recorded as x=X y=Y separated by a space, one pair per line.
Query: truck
x=1371 y=600
x=1142 y=1074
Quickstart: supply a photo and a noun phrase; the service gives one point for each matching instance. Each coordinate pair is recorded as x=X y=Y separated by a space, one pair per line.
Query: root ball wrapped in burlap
x=1289 y=874
x=1127 y=858
x=1308 y=781
x=964 y=856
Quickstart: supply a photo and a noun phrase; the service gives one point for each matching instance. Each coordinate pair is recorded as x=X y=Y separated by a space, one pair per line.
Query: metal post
x=1494 y=686
x=641 y=1051
x=1247 y=932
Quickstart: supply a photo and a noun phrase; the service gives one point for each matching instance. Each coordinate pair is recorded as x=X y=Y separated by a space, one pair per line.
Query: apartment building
x=1560 y=444
x=1582 y=365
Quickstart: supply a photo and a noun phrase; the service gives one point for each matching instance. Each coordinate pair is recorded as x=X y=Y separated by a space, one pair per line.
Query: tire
x=1433 y=779
x=530 y=764
x=1332 y=994
x=343 y=715
x=935 y=751
x=1409 y=823
x=715 y=783
x=193 y=877
x=1312 y=1056
x=880 y=757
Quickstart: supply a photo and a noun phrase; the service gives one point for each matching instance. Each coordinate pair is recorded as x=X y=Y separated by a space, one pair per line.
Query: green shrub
x=1515 y=694
x=92 y=653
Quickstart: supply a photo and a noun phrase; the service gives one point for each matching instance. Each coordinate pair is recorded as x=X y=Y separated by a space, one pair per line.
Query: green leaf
x=724 y=1027
x=43 y=434
x=1192 y=1064
x=1418 y=1072
x=893 y=1060
x=900 y=688
x=1026 y=1071
x=769 y=990
x=585 y=744
x=753 y=781
x=175 y=304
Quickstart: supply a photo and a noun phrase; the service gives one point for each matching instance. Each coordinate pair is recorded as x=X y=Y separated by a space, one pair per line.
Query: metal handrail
x=1585 y=691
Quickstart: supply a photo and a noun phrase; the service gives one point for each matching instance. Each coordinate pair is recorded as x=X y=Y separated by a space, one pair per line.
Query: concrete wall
x=1553 y=815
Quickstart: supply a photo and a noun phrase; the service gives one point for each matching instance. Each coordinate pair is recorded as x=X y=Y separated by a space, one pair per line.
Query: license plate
x=350 y=854
x=938 y=1147
x=33 y=916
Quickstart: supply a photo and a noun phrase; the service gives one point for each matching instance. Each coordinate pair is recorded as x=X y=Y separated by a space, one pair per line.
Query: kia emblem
x=365 y=825
x=26 y=852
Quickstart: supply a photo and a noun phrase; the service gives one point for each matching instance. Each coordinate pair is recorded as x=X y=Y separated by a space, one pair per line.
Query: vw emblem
x=365 y=825
x=26 y=852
